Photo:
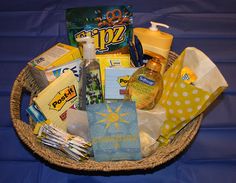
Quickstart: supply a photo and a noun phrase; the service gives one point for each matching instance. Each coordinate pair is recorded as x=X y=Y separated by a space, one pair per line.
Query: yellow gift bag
x=183 y=100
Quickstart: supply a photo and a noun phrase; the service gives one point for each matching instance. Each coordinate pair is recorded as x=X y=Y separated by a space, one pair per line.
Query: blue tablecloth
x=28 y=28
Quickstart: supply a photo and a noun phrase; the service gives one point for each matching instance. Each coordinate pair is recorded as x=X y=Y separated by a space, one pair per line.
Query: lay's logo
x=62 y=97
x=123 y=80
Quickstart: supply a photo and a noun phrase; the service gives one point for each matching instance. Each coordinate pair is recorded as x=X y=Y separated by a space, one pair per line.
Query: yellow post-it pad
x=57 y=98
x=112 y=61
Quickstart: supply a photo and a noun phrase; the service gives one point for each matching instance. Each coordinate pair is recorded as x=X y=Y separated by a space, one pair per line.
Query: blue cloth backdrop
x=28 y=28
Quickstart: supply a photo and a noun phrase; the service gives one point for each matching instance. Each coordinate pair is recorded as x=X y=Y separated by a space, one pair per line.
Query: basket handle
x=23 y=82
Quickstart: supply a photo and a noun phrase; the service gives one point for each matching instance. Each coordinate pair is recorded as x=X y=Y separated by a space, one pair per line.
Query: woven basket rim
x=25 y=133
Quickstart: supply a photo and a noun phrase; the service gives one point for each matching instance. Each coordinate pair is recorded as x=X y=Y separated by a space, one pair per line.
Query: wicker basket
x=24 y=81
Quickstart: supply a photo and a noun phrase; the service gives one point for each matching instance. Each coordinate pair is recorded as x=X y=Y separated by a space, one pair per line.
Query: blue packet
x=35 y=113
x=114 y=131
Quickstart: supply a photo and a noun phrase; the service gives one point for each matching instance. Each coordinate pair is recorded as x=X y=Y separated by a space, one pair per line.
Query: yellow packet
x=39 y=125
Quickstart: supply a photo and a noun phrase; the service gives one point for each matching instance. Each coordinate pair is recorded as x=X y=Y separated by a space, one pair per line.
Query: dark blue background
x=28 y=28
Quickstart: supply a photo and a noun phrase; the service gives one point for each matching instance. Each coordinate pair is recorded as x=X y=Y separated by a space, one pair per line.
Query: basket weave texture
x=24 y=82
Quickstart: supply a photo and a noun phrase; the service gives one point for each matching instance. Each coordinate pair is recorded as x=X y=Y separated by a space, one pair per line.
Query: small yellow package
x=57 y=98
x=191 y=84
x=188 y=75
x=112 y=60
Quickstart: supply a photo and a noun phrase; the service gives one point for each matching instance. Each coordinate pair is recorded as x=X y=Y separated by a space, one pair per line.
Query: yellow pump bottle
x=145 y=86
x=155 y=43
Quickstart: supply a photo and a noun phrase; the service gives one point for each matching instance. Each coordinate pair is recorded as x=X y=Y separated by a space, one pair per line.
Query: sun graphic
x=113 y=117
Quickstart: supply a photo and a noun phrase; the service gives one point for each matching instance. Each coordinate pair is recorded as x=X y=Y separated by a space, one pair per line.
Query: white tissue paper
x=149 y=123
x=77 y=123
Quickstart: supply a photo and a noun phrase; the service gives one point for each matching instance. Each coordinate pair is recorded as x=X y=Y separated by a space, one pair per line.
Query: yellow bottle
x=145 y=86
x=155 y=43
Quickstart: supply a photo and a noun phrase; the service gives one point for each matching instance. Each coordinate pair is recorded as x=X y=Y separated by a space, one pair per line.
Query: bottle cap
x=89 y=51
x=154 y=65
x=154 y=26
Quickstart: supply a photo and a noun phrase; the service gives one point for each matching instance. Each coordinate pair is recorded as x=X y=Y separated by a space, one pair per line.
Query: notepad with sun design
x=114 y=131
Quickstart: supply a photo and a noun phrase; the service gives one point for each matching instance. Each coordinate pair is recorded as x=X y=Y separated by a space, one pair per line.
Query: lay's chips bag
x=110 y=26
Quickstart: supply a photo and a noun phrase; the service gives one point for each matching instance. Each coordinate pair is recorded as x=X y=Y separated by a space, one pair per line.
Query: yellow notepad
x=57 y=98
x=112 y=60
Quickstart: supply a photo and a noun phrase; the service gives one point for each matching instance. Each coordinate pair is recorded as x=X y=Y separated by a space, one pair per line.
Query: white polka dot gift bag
x=184 y=101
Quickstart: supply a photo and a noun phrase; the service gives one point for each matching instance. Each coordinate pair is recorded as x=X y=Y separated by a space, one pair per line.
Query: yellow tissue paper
x=182 y=101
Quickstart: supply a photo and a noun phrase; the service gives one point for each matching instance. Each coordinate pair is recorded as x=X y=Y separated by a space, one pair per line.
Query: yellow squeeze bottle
x=155 y=42
x=145 y=86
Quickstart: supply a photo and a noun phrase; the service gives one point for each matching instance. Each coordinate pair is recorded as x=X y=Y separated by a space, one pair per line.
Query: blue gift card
x=114 y=131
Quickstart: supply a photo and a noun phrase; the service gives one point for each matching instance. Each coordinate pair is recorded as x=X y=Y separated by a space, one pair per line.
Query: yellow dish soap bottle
x=145 y=86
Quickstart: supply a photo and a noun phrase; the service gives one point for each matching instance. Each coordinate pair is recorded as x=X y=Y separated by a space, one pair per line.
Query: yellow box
x=56 y=56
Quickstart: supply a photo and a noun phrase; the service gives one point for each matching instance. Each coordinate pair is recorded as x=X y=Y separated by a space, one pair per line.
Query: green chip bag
x=110 y=26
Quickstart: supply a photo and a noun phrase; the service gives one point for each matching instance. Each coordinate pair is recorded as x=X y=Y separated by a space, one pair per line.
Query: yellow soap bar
x=112 y=60
x=57 y=98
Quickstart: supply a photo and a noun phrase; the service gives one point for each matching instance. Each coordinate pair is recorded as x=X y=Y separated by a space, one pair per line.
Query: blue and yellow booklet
x=114 y=131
